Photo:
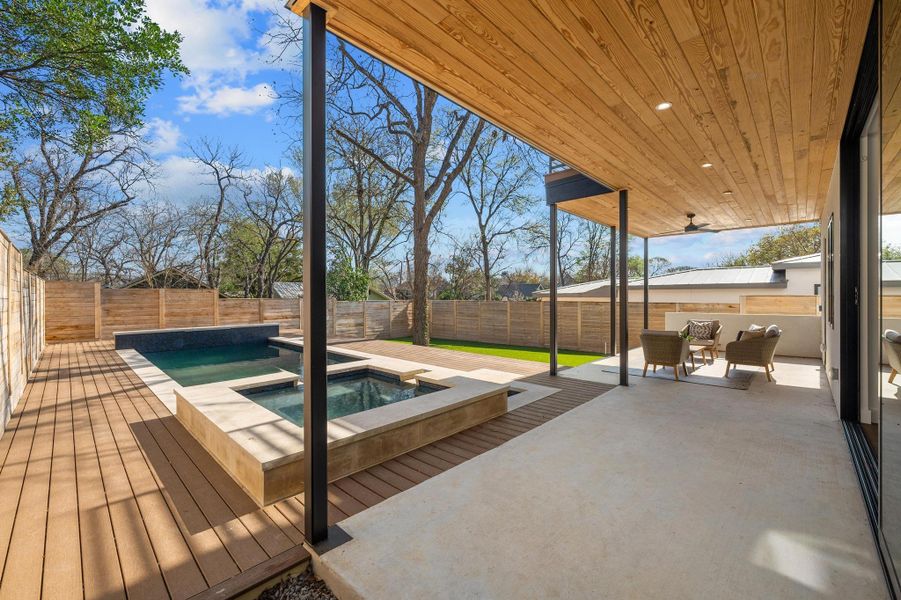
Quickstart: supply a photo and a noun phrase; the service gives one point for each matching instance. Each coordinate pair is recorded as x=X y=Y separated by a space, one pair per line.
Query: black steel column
x=646 y=283
x=315 y=419
x=624 y=287
x=553 y=251
x=612 y=291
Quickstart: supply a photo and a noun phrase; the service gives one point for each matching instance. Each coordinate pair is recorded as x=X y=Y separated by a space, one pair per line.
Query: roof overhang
x=759 y=90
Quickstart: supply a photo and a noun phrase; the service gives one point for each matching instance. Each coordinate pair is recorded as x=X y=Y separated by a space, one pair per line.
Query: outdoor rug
x=738 y=379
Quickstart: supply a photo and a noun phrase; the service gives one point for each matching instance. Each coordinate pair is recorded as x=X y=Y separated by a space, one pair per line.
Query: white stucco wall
x=800 y=337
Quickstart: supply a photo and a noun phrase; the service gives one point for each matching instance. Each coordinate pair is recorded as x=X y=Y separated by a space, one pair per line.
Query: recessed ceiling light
x=664 y=106
x=706 y=165
x=748 y=220
x=727 y=193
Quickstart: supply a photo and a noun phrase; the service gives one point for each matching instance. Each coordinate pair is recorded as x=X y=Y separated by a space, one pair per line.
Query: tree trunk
x=421 y=336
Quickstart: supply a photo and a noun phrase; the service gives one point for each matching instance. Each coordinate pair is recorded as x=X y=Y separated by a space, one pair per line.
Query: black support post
x=624 y=287
x=645 y=293
x=612 y=291
x=553 y=251
x=315 y=419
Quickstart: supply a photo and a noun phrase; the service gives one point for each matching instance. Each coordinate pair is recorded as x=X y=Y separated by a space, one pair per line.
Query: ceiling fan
x=692 y=227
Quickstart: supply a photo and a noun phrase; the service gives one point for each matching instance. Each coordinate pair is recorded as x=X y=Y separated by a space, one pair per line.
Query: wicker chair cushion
x=893 y=336
x=702 y=330
x=750 y=334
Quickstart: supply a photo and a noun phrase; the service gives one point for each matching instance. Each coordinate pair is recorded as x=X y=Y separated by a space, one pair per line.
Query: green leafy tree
x=788 y=241
x=345 y=282
x=89 y=65
x=891 y=252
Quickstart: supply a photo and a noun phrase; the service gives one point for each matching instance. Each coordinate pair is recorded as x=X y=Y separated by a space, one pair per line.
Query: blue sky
x=229 y=96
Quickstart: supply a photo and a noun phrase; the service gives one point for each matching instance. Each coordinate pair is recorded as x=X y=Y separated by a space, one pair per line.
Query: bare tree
x=226 y=167
x=594 y=258
x=367 y=217
x=495 y=182
x=441 y=142
x=98 y=251
x=154 y=237
x=264 y=232
x=538 y=238
x=61 y=189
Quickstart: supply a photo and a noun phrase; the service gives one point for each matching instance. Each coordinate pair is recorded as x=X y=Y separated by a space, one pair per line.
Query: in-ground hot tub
x=244 y=403
x=254 y=434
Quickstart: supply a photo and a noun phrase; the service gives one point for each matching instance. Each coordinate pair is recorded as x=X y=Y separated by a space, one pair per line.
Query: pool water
x=221 y=363
x=347 y=394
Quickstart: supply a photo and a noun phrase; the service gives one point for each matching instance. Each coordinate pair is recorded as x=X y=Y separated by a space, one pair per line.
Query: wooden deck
x=104 y=495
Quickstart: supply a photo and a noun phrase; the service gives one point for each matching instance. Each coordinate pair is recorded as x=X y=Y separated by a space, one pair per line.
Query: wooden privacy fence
x=21 y=326
x=85 y=311
x=79 y=311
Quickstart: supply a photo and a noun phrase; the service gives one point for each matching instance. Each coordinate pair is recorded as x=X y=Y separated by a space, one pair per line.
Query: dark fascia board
x=572 y=188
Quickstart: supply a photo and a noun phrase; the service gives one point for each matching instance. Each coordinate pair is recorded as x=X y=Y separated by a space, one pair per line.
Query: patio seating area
x=93 y=462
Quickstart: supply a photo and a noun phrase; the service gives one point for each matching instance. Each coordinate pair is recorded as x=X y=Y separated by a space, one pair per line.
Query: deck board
x=106 y=495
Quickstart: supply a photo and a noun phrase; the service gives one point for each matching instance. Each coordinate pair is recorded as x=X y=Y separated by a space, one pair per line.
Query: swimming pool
x=347 y=393
x=221 y=363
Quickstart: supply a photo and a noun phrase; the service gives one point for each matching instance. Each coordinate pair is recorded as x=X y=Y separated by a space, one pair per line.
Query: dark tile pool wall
x=190 y=339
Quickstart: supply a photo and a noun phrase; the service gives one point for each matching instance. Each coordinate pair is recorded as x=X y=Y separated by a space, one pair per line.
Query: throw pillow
x=772 y=331
x=755 y=327
x=750 y=335
x=700 y=330
x=893 y=336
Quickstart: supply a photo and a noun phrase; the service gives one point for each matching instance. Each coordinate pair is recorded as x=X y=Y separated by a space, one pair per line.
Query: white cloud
x=163 y=136
x=216 y=34
x=227 y=100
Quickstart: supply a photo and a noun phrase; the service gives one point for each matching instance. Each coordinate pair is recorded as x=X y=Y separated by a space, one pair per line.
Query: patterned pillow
x=701 y=330
x=893 y=336
x=772 y=331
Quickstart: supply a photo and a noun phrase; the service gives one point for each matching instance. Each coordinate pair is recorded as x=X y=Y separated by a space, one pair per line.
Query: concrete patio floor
x=659 y=490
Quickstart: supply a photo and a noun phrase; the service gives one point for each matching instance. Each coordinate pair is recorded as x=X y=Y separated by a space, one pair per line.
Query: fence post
x=215 y=294
x=541 y=323
x=742 y=305
x=334 y=302
x=162 y=307
x=364 y=319
x=509 y=332
x=98 y=312
x=578 y=325
x=456 y=336
x=260 y=309
x=300 y=313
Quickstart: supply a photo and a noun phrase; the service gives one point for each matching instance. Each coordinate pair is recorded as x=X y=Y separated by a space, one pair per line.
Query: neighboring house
x=797 y=276
x=294 y=289
x=168 y=278
x=517 y=290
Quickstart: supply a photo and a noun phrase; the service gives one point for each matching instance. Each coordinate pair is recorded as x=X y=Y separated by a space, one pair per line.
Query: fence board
x=70 y=314
x=284 y=311
x=189 y=308
x=21 y=326
x=782 y=305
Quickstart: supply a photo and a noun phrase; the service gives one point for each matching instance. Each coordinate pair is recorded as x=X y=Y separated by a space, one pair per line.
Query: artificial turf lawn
x=568 y=358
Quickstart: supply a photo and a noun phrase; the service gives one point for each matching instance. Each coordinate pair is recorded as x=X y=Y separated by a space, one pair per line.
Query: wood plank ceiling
x=758 y=89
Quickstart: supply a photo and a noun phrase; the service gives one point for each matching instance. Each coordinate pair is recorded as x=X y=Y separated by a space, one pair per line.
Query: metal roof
x=709 y=277
x=809 y=261
x=891 y=273
x=287 y=289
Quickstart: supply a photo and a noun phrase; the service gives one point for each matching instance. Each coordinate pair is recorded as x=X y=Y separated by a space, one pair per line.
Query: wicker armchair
x=665 y=349
x=892 y=351
x=710 y=346
x=757 y=352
